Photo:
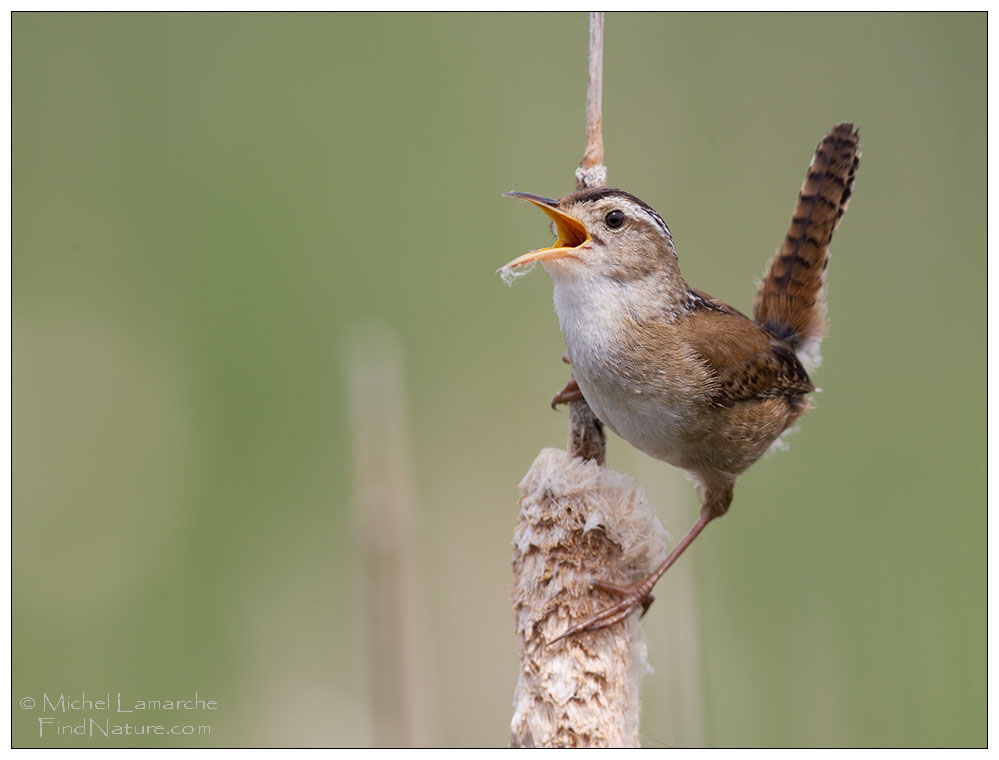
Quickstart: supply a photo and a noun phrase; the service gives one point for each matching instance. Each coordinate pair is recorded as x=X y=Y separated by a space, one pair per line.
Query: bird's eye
x=614 y=219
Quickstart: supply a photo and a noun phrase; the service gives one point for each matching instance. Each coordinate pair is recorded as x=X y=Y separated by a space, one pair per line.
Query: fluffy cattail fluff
x=791 y=300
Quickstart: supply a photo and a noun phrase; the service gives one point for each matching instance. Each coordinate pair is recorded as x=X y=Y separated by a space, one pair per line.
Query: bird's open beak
x=572 y=234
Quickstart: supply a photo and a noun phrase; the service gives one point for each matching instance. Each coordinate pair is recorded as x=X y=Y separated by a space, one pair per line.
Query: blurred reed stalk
x=391 y=587
x=578 y=519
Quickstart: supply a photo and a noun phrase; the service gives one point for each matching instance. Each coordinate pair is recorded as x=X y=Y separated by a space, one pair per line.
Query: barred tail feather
x=791 y=302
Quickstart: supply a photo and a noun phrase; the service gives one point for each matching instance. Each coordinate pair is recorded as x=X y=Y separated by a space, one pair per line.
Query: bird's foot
x=571 y=392
x=632 y=597
x=639 y=594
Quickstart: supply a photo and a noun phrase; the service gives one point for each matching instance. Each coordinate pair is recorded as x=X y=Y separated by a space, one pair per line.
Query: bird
x=678 y=374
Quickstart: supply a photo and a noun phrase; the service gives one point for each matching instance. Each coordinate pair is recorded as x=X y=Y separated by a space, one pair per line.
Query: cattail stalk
x=578 y=520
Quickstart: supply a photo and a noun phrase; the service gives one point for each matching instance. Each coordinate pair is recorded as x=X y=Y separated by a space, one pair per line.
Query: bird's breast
x=641 y=392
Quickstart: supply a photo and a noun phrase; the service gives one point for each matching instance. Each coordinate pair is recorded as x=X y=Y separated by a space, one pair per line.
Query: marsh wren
x=678 y=374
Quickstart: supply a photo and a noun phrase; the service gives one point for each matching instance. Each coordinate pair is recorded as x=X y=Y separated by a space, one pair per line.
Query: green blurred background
x=208 y=208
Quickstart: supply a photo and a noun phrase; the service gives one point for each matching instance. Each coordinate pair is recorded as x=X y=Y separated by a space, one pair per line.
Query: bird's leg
x=639 y=594
x=570 y=392
x=635 y=595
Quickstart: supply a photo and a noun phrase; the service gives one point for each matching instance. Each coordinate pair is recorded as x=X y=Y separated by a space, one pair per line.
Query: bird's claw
x=571 y=392
x=632 y=598
x=637 y=593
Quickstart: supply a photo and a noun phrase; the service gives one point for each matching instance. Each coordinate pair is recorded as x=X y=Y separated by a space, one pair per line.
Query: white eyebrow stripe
x=649 y=214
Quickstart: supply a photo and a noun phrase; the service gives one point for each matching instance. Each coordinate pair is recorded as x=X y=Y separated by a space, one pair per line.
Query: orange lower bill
x=572 y=234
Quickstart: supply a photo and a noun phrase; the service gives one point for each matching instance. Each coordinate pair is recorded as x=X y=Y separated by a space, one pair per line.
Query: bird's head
x=602 y=232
